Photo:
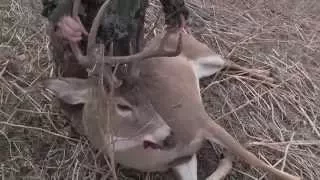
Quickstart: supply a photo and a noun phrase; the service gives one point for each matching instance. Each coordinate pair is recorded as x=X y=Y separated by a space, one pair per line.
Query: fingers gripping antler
x=83 y=60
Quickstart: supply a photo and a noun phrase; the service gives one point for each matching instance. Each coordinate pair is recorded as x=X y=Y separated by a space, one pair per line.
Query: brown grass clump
x=279 y=123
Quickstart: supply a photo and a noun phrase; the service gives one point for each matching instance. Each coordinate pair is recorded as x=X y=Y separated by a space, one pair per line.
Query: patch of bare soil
x=279 y=123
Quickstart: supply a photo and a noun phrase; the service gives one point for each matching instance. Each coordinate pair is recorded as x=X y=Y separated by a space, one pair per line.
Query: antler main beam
x=159 y=51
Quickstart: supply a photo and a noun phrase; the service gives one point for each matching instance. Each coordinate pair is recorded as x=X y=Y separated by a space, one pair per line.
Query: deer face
x=136 y=117
x=133 y=121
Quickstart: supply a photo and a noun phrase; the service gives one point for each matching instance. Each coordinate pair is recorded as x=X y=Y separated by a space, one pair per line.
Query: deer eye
x=123 y=107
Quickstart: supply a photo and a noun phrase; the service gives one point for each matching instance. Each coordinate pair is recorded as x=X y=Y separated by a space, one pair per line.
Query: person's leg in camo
x=173 y=9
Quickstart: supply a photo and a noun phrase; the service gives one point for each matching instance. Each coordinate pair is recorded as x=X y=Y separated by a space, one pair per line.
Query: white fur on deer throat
x=124 y=143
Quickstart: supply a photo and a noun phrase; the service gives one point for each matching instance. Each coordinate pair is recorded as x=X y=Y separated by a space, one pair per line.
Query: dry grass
x=280 y=123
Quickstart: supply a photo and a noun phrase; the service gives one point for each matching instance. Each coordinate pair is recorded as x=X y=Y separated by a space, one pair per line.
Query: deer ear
x=69 y=90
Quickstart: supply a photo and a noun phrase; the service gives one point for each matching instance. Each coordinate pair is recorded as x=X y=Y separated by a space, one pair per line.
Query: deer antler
x=88 y=60
x=84 y=60
x=95 y=25
x=159 y=51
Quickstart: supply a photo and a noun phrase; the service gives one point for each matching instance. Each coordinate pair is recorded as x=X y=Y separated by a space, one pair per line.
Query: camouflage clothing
x=172 y=10
x=54 y=9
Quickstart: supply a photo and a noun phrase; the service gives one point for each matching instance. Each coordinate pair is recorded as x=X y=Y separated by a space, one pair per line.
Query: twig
x=286 y=152
x=39 y=129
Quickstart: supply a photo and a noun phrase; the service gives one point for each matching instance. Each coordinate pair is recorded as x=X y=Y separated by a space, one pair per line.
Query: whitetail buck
x=154 y=113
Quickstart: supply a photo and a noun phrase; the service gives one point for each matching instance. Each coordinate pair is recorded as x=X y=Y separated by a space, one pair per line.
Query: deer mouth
x=159 y=140
x=167 y=144
x=151 y=145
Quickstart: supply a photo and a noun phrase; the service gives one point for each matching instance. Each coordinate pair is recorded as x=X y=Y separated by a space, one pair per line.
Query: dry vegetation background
x=280 y=123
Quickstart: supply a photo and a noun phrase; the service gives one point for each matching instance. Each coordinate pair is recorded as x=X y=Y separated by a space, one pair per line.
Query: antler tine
x=148 y=52
x=76 y=6
x=95 y=25
x=83 y=60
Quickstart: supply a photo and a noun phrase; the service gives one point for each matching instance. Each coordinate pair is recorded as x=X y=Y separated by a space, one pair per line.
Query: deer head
x=113 y=101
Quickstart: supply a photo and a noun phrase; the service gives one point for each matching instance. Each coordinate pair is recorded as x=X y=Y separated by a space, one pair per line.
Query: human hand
x=71 y=28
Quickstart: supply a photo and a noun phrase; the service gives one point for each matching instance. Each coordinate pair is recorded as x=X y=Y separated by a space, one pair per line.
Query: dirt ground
x=280 y=123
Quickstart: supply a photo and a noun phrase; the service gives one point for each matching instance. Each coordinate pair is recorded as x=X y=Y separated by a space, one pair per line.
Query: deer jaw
x=132 y=119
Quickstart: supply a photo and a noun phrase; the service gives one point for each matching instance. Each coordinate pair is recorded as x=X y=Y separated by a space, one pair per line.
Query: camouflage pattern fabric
x=54 y=9
x=172 y=10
